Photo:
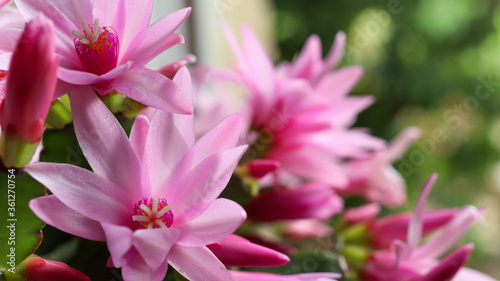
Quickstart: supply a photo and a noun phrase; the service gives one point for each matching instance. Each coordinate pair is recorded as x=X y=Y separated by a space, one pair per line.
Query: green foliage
x=20 y=229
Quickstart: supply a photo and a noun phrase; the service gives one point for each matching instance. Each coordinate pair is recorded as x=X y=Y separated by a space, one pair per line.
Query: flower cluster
x=284 y=134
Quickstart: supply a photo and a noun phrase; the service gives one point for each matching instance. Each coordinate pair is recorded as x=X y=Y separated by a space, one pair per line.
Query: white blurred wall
x=202 y=30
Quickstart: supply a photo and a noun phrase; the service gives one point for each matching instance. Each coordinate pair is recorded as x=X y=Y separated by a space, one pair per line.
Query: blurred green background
x=433 y=64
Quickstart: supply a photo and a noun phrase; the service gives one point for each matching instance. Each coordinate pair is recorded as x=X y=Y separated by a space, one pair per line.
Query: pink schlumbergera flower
x=300 y=125
x=409 y=261
x=104 y=45
x=152 y=197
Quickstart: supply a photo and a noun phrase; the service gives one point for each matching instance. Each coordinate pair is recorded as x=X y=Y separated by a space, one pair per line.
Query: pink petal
x=365 y=213
x=104 y=142
x=82 y=77
x=400 y=144
x=67 y=15
x=260 y=64
x=83 y=191
x=449 y=266
x=449 y=235
x=222 y=136
x=154 y=244
x=128 y=18
x=197 y=263
x=338 y=84
x=138 y=269
x=5 y=61
x=336 y=52
x=53 y=212
x=306 y=63
x=313 y=165
x=9 y=38
x=222 y=218
x=150 y=39
x=467 y=274
x=415 y=227
x=153 y=89
x=262 y=276
x=165 y=145
x=138 y=135
x=195 y=191
x=119 y=241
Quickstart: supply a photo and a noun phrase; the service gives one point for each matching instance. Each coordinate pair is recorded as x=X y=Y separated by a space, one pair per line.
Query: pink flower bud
x=306 y=201
x=238 y=251
x=31 y=82
x=260 y=167
x=450 y=265
x=39 y=269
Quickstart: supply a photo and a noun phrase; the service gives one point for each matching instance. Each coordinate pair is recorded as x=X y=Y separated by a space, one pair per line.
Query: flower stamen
x=97 y=47
x=152 y=213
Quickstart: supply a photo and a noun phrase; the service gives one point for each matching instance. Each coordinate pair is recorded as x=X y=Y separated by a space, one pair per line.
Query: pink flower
x=261 y=276
x=409 y=261
x=39 y=269
x=312 y=200
x=374 y=177
x=301 y=125
x=238 y=251
x=26 y=105
x=153 y=197
x=104 y=45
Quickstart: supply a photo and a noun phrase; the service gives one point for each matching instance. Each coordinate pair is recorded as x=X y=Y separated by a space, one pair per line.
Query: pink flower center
x=152 y=213
x=97 y=47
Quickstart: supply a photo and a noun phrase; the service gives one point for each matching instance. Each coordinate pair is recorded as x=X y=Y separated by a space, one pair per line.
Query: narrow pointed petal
x=338 y=84
x=222 y=136
x=138 y=135
x=400 y=144
x=104 y=142
x=221 y=219
x=159 y=157
x=260 y=63
x=238 y=251
x=449 y=235
x=198 y=263
x=72 y=185
x=336 y=52
x=304 y=65
x=449 y=266
x=154 y=244
x=138 y=269
x=149 y=40
x=153 y=89
x=195 y=192
x=415 y=227
x=53 y=212
x=119 y=240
